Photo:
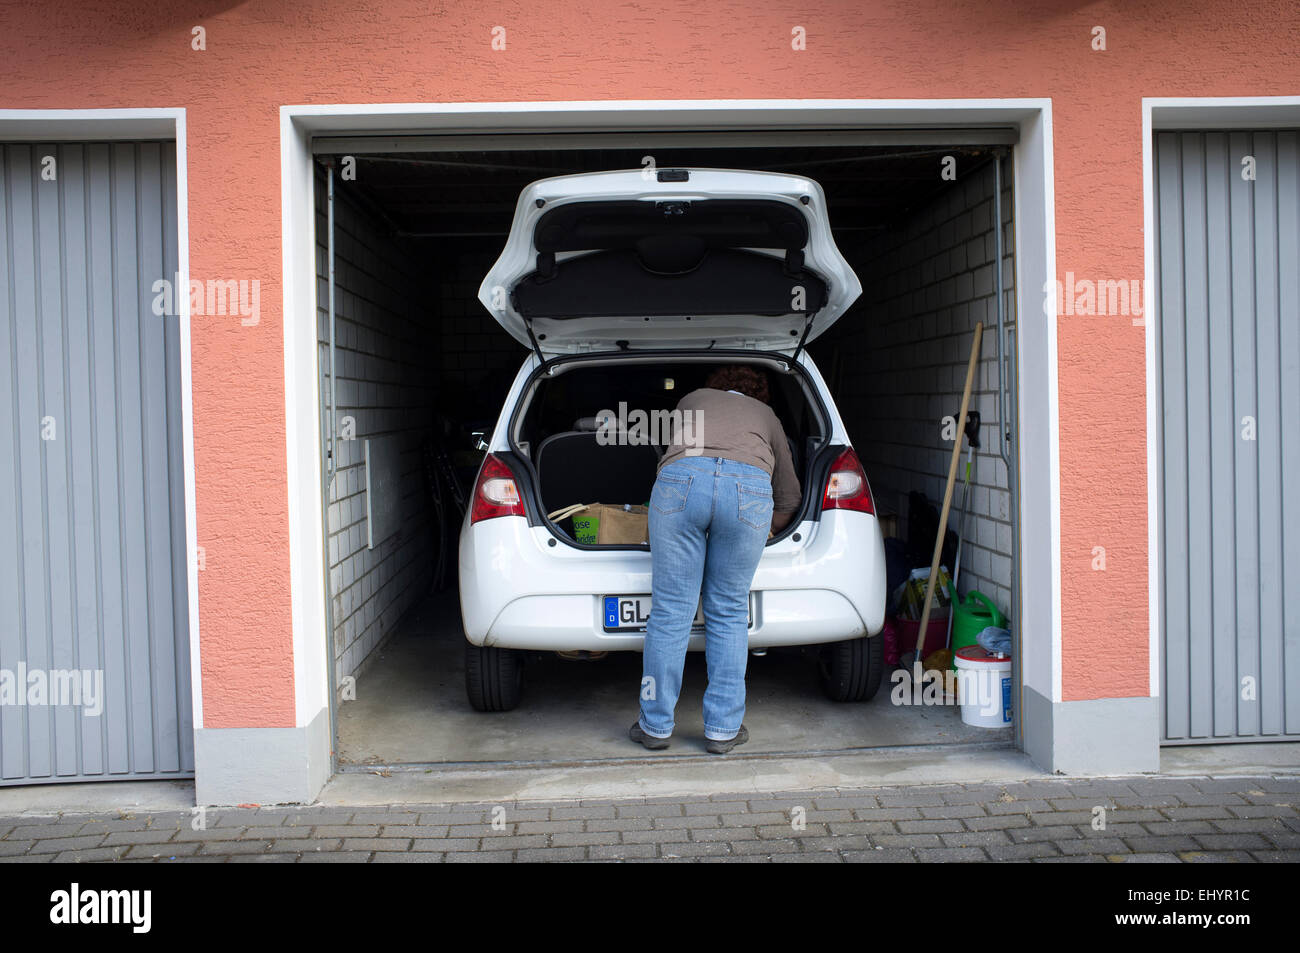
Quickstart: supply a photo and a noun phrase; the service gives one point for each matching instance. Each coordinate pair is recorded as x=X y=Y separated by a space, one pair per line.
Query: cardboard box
x=612 y=524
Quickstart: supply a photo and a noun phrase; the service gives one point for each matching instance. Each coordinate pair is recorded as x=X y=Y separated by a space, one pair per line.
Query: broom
x=942 y=658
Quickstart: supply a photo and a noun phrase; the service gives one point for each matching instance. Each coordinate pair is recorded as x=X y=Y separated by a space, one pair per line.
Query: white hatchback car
x=629 y=288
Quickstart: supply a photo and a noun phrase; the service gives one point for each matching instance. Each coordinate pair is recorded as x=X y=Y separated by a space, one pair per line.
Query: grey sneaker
x=650 y=741
x=722 y=747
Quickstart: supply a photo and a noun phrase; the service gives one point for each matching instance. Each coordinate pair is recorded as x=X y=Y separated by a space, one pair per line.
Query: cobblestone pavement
x=1184 y=819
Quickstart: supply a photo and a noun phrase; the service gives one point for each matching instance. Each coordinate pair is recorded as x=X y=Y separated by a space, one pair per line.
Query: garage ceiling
x=440 y=195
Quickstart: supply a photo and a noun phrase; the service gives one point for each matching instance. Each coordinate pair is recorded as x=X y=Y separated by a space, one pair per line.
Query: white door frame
x=1037 y=441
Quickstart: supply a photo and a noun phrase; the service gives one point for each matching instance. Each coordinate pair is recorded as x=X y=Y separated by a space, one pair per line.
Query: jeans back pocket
x=669 y=493
x=754 y=505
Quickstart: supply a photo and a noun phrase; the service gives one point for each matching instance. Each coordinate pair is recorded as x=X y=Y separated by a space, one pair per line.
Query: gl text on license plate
x=629 y=613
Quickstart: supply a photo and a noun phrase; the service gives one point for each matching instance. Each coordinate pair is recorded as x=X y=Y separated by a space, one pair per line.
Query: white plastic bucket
x=983 y=687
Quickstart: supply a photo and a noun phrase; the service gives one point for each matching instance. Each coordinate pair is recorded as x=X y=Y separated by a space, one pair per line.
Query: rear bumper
x=782 y=617
x=518 y=592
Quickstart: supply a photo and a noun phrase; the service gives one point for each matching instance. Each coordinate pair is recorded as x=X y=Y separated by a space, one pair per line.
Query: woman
x=724 y=485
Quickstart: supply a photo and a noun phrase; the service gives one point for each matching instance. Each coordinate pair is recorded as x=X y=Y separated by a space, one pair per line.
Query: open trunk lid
x=669 y=258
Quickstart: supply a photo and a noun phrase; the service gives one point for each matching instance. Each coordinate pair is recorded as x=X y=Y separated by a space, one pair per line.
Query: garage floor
x=410 y=707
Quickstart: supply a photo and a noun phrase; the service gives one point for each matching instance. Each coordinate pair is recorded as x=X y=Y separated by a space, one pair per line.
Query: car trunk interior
x=575 y=463
x=420 y=368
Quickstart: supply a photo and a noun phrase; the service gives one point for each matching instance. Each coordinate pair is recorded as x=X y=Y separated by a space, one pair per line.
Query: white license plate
x=629 y=613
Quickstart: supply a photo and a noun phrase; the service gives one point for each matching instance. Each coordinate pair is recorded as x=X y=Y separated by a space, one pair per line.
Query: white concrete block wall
x=905 y=348
x=386 y=355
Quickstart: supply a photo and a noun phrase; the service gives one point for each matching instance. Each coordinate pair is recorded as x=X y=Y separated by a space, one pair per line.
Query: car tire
x=851 y=671
x=494 y=677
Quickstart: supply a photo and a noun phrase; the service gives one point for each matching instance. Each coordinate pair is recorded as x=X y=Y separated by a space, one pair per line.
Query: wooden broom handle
x=947 y=493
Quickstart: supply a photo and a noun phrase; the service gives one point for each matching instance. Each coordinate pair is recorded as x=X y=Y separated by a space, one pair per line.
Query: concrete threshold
x=679 y=776
x=97 y=797
x=1245 y=760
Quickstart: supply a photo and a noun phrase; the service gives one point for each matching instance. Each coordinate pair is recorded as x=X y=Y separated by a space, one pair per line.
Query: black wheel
x=851 y=671
x=494 y=677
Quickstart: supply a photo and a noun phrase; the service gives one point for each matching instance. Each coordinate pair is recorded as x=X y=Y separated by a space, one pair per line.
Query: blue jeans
x=709 y=520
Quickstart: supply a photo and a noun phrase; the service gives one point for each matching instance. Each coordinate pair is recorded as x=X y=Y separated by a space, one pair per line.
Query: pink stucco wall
x=262 y=55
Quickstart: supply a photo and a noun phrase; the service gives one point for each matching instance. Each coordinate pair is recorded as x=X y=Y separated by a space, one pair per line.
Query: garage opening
x=421 y=371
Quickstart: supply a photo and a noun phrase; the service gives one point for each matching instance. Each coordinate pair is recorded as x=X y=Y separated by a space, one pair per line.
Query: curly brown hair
x=750 y=381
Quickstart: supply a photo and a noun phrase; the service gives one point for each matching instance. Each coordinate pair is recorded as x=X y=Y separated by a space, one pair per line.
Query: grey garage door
x=1228 y=232
x=94 y=656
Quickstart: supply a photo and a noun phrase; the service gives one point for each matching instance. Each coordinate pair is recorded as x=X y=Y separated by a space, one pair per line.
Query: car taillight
x=495 y=492
x=847 y=487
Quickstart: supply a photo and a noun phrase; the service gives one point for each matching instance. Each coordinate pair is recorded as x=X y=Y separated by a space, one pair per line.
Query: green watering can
x=972 y=616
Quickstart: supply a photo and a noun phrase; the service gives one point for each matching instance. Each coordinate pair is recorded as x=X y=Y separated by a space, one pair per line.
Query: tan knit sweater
x=731 y=425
